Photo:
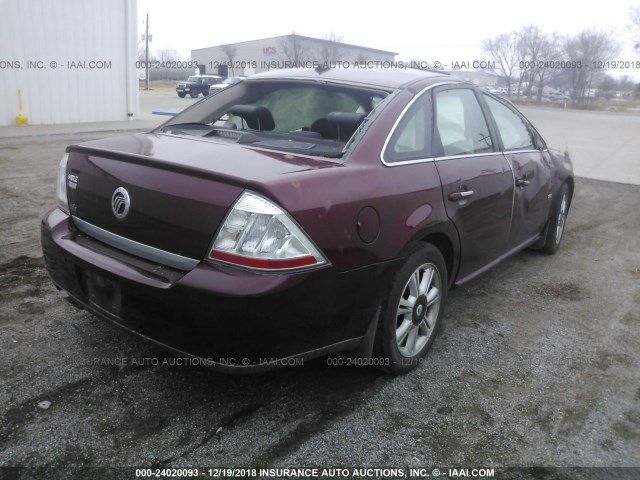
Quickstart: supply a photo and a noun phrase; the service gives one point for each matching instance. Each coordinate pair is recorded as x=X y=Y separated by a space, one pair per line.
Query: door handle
x=456 y=196
x=522 y=182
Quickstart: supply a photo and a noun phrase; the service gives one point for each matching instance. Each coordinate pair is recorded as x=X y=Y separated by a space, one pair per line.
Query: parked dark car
x=302 y=213
x=196 y=85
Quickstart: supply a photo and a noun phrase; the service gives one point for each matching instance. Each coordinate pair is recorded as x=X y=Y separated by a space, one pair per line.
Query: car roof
x=379 y=77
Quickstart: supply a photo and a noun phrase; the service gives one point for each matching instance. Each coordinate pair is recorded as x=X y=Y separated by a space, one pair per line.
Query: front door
x=532 y=172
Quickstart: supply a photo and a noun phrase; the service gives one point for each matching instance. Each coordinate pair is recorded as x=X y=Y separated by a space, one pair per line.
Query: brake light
x=259 y=235
x=61 y=186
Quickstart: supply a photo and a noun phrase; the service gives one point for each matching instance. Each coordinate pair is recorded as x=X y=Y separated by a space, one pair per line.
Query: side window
x=513 y=130
x=460 y=125
x=410 y=140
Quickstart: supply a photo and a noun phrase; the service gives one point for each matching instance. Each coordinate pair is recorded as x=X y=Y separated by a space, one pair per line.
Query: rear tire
x=411 y=311
x=554 y=231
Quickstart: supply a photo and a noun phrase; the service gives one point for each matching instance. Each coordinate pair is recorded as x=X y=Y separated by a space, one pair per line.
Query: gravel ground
x=537 y=365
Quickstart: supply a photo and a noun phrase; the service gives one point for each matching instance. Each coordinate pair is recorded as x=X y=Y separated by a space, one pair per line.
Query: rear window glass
x=313 y=117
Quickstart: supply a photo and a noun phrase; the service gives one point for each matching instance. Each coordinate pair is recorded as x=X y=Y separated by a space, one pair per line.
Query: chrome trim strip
x=468 y=155
x=409 y=162
x=438 y=159
x=509 y=152
x=135 y=248
x=400 y=117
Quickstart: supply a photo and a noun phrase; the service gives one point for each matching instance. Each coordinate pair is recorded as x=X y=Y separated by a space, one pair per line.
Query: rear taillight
x=61 y=186
x=259 y=235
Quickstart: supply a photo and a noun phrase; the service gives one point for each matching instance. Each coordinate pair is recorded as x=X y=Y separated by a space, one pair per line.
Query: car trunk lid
x=177 y=190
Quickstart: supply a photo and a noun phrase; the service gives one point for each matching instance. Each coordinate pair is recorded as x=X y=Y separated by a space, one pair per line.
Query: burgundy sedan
x=300 y=213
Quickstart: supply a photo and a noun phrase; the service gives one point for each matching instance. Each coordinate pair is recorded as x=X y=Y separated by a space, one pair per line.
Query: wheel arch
x=443 y=243
x=571 y=184
x=445 y=239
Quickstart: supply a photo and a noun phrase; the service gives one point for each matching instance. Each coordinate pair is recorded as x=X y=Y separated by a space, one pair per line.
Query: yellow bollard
x=21 y=119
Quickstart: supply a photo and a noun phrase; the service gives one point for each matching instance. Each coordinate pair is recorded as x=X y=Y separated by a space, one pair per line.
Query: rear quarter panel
x=327 y=203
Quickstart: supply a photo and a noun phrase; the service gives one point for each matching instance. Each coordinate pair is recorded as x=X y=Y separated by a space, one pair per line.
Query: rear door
x=532 y=171
x=476 y=178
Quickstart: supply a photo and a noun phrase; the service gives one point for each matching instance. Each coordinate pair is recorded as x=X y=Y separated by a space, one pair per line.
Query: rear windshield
x=301 y=116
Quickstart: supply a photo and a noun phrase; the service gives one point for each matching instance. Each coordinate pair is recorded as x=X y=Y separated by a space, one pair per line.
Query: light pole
x=147 y=38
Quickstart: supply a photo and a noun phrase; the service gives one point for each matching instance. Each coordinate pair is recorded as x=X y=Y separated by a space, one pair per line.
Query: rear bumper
x=232 y=319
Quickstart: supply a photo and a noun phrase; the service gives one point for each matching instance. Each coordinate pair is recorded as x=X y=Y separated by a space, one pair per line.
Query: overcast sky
x=435 y=31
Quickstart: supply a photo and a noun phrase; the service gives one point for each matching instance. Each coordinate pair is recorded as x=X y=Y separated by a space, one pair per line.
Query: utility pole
x=146 y=53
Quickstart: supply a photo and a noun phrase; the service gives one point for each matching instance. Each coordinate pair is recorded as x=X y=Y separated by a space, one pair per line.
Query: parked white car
x=224 y=84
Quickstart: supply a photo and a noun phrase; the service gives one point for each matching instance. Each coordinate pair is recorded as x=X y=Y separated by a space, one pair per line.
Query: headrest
x=346 y=118
x=256 y=116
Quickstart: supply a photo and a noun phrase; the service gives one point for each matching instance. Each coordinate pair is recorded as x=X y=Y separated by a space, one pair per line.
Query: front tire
x=194 y=93
x=555 y=228
x=182 y=95
x=412 y=311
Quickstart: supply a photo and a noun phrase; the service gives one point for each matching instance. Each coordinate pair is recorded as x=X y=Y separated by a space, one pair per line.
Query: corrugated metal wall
x=73 y=59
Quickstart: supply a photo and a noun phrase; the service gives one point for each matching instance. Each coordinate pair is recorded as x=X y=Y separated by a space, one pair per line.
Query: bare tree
x=331 y=49
x=502 y=49
x=626 y=83
x=527 y=44
x=550 y=54
x=142 y=60
x=635 y=26
x=293 y=48
x=537 y=51
x=361 y=58
x=142 y=52
x=523 y=62
x=230 y=52
x=539 y=54
x=607 y=86
x=591 y=49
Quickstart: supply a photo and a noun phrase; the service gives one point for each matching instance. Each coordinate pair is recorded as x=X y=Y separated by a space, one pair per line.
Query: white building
x=74 y=60
x=254 y=56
